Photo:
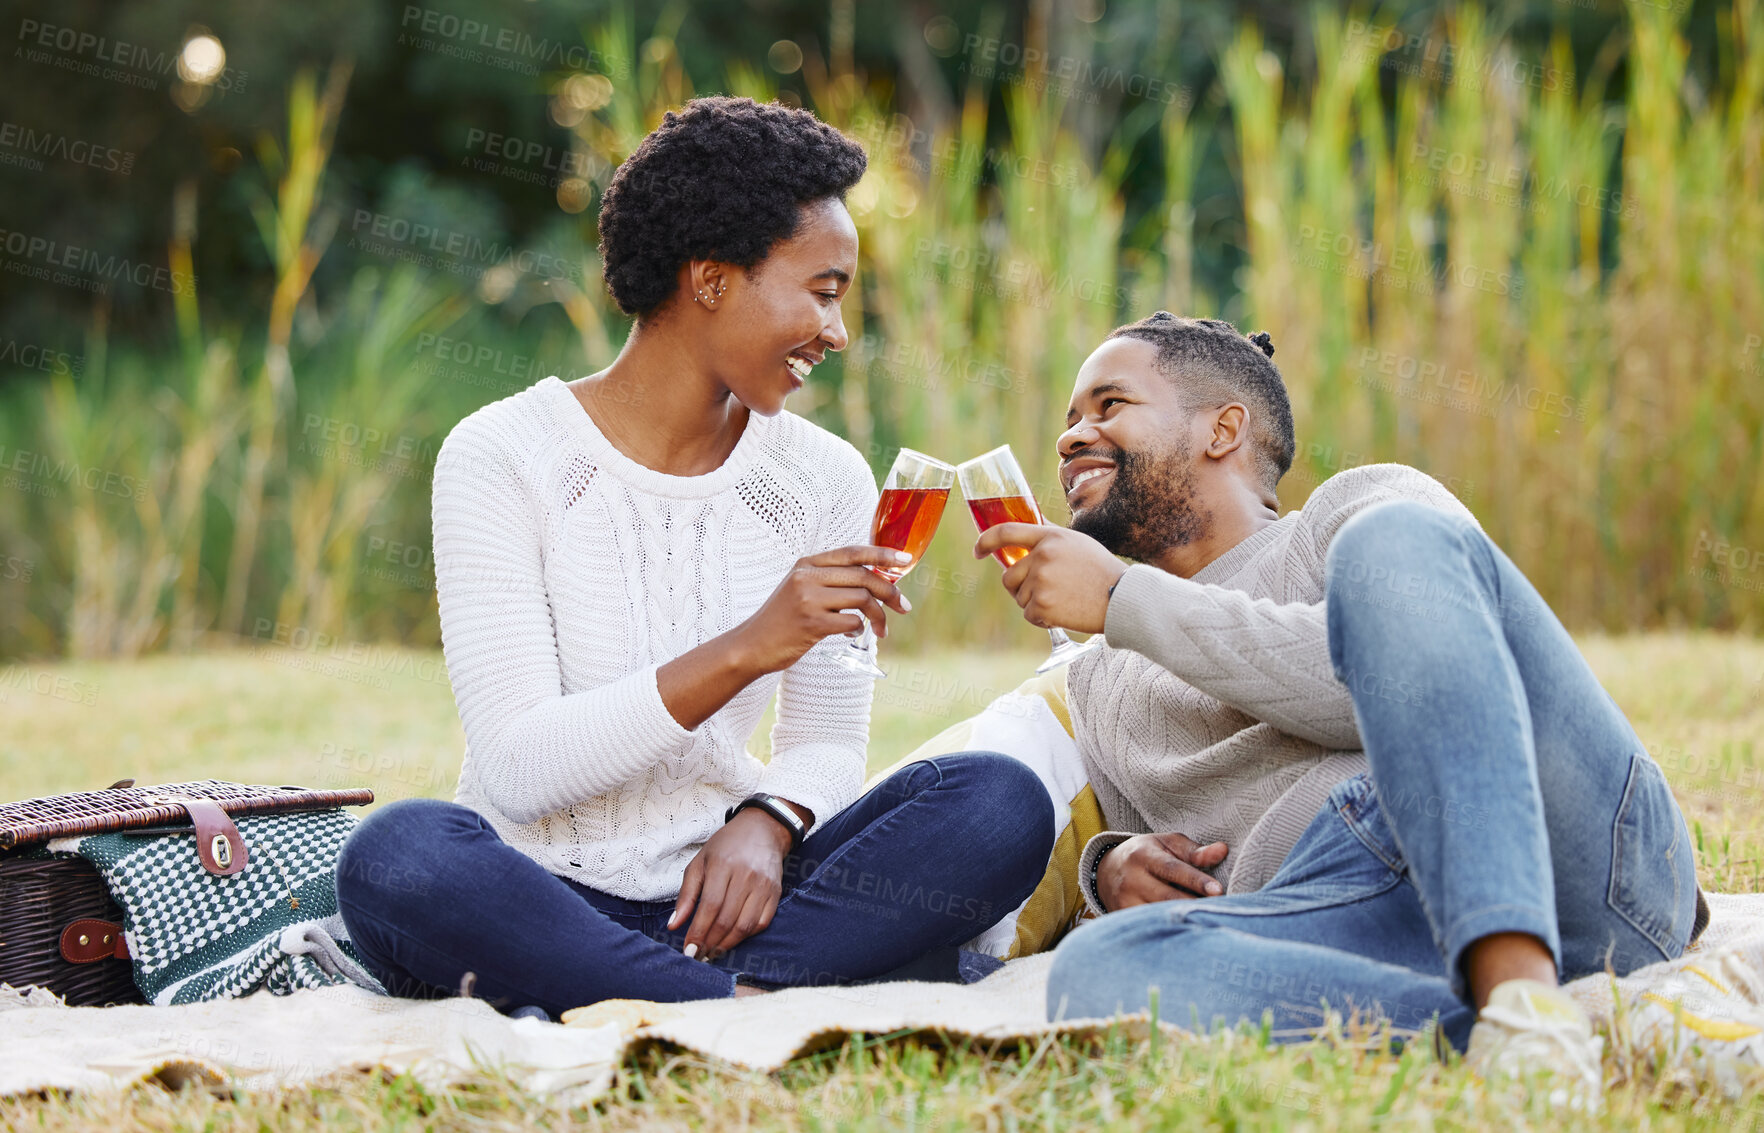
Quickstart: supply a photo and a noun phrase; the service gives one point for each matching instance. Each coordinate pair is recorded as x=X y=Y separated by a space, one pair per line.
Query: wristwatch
x=778 y=809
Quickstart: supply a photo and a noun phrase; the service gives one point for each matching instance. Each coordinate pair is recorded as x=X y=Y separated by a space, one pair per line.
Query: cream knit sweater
x=568 y=574
x=1214 y=710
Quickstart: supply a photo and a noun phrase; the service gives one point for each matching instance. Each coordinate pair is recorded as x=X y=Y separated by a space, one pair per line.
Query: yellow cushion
x=1043 y=740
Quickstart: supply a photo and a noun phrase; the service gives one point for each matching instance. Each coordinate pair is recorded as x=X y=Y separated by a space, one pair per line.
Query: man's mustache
x=1113 y=454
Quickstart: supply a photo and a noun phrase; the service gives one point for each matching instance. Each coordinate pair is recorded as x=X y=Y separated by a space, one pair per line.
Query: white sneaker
x=1529 y=1028
x=1735 y=970
x=1706 y=1017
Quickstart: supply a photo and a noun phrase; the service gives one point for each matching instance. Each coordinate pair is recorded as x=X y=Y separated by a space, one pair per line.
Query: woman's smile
x=799 y=365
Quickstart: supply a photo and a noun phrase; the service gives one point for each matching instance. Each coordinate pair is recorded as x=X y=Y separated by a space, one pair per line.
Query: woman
x=628 y=566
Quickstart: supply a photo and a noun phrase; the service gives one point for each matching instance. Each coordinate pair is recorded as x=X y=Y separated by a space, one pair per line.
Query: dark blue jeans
x=930 y=858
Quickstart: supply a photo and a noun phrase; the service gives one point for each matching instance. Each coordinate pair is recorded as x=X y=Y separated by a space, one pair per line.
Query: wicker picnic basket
x=59 y=926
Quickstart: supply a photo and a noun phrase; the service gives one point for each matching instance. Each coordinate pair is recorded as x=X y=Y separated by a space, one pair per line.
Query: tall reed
x=296 y=243
x=1454 y=304
x=1472 y=260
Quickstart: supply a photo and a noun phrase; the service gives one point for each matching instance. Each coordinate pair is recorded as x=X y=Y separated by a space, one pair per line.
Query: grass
x=385 y=720
x=1697 y=701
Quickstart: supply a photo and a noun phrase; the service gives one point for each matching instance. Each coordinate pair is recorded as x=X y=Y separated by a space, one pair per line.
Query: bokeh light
x=202 y=60
x=903 y=200
x=862 y=198
x=785 y=57
x=588 y=92
x=574 y=194
x=942 y=36
x=498 y=282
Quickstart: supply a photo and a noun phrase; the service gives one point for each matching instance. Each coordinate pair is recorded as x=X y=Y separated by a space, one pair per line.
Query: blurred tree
x=435 y=78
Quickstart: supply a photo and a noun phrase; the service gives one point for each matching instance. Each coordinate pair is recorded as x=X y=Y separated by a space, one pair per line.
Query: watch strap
x=778 y=809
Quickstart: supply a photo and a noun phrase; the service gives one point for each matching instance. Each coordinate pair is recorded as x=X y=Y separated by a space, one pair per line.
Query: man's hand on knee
x=1157 y=867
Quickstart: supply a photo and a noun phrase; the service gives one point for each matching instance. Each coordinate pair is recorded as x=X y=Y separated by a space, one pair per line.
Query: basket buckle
x=218 y=843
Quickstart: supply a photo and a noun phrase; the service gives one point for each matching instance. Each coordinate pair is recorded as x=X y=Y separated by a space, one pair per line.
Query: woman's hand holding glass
x=834 y=592
x=913 y=495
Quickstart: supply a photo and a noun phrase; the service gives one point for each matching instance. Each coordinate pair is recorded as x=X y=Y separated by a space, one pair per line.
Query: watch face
x=774 y=806
x=782 y=809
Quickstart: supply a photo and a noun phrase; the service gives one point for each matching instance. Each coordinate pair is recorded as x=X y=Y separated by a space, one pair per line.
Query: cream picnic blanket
x=265 y=1042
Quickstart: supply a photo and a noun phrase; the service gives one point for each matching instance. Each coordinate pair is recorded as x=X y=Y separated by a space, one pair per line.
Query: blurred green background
x=260 y=258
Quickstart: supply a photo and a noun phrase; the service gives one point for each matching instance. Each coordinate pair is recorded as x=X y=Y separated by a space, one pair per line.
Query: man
x=1356 y=731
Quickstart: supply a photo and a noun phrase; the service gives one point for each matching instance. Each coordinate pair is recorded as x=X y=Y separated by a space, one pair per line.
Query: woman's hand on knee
x=732 y=886
x=1157 y=867
x=815 y=601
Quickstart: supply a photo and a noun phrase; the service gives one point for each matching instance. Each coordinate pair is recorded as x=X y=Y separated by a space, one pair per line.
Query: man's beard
x=1149 y=507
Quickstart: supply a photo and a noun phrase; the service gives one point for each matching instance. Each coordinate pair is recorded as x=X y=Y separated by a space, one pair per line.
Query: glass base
x=858 y=661
x=859 y=654
x=1065 y=652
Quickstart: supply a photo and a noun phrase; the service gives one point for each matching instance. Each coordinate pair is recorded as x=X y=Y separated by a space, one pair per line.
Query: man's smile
x=1082 y=470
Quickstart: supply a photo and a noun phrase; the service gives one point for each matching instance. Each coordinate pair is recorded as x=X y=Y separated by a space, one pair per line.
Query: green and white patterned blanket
x=272 y=927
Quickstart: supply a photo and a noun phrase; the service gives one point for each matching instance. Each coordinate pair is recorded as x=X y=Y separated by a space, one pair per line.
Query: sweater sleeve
x=537 y=749
x=1098 y=845
x=823 y=725
x=1267 y=659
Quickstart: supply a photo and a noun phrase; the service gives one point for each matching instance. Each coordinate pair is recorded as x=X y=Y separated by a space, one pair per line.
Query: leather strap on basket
x=218 y=843
x=88 y=940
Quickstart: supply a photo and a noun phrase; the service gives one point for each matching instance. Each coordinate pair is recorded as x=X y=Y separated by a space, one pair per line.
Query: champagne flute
x=912 y=502
x=998 y=492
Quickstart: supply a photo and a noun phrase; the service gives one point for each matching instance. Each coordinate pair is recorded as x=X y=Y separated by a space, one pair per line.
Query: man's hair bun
x=1264 y=340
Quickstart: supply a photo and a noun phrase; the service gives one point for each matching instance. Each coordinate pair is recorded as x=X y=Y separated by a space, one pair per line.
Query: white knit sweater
x=568 y=574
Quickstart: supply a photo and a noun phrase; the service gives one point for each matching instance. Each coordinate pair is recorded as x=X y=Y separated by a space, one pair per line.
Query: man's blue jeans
x=1508 y=793
x=930 y=858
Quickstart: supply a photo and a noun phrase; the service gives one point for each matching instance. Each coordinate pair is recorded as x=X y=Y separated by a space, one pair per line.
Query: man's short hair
x=1212 y=362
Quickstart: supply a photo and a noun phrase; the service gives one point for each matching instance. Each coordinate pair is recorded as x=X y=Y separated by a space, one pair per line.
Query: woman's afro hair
x=722 y=178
